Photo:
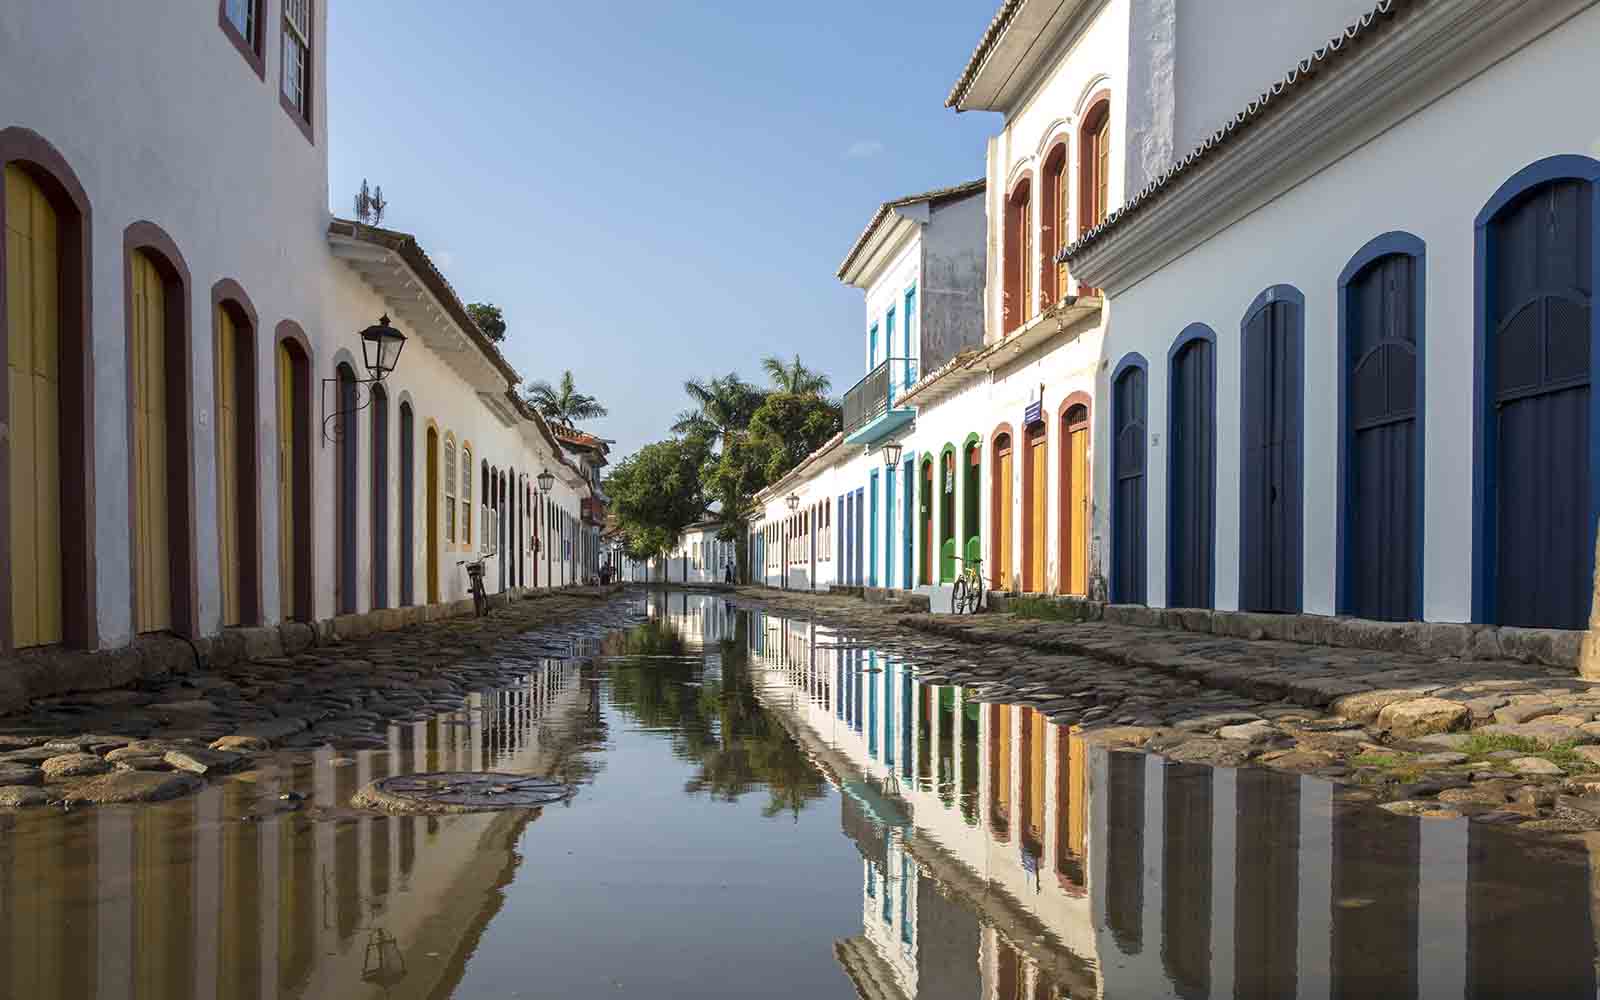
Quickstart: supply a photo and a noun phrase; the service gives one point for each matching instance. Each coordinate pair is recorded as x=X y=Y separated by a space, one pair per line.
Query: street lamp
x=793 y=500
x=381 y=345
x=547 y=482
x=891 y=454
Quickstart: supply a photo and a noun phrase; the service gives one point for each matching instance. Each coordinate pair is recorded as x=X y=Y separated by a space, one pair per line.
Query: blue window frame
x=911 y=317
x=872 y=348
x=888 y=338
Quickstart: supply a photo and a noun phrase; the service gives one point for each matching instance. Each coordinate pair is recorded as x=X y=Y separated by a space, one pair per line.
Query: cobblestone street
x=159 y=739
x=1499 y=741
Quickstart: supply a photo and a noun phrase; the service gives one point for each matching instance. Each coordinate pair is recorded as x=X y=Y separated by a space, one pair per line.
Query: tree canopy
x=656 y=492
x=563 y=403
x=490 y=321
x=724 y=406
x=794 y=377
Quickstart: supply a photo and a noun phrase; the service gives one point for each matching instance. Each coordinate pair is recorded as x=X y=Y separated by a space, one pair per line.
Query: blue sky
x=651 y=191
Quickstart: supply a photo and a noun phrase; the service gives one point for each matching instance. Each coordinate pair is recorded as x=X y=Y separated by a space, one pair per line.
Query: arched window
x=466 y=495
x=1094 y=166
x=449 y=489
x=1053 y=231
x=1019 y=256
x=45 y=341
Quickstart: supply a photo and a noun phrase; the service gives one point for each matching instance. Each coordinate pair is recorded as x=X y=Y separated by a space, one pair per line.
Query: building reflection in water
x=219 y=896
x=1003 y=857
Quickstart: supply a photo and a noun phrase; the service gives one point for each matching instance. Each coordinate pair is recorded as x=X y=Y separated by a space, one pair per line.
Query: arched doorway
x=1000 y=498
x=1381 y=445
x=1191 y=469
x=408 y=504
x=161 y=478
x=1035 y=504
x=1074 y=513
x=1128 y=501
x=925 y=522
x=431 y=513
x=48 y=588
x=1536 y=505
x=1270 y=452
x=238 y=501
x=947 y=514
x=294 y=474
x=347 y=437
x=971 y=477
x=380 y=497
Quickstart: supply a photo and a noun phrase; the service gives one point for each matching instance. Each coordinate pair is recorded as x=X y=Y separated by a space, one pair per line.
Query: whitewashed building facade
x=182 y=316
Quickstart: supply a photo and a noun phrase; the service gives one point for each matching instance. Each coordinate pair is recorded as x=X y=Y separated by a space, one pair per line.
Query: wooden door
x=34 y=381
x=432 y=515
x=288 y=558
x=1034 y=726
x=1075 y=509
x=926 y=575
x=227 y=406
x=408 y=503
x=1001 y=574
x=1191 y=478
x=1128 y=499
x=152 y=549
x=1000 y=770
x=1383 y=555
x=1270 y=528
x=1540 y=296
x=1038 y=471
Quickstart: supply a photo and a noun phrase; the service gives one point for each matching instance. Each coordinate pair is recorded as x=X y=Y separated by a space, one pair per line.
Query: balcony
x=869 y=411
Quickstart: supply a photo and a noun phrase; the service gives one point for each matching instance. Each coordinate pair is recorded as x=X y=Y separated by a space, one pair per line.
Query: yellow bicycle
x=968 y=596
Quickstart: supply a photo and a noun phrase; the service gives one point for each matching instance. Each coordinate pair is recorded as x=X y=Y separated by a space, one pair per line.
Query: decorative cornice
x=1401 y=56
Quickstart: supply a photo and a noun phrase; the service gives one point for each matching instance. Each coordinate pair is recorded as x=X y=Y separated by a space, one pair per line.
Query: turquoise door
x=888 y=529
x=872 y=529
x=905 y=538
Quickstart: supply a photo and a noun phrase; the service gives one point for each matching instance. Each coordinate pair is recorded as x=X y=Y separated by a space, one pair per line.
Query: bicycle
x=968 y=596
x=480 y=597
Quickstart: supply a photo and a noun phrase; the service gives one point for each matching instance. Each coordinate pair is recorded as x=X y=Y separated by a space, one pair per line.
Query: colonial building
x=193 y=437
x=1349 y=369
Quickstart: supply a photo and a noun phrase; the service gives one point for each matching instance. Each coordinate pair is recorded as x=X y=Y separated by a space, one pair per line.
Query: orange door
x=1037 y=470
x=33 y=378
x=1077 y=503
x=1002 y=517
x=152 y=552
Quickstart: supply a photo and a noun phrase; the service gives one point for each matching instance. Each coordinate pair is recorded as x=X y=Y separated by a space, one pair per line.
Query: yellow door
x=227 y=465
x=34 y=374
x=1002 y=541
x=433 y=516
x=1000 y=769
x=286 y=553
x=1037 y=453
x=152 y=552
x=1034 y=736
x=1078 y=555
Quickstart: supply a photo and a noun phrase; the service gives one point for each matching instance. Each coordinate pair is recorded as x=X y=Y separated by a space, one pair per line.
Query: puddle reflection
x=1003 y=856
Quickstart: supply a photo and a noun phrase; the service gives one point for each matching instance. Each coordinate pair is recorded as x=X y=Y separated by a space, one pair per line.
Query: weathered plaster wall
x=953 y=267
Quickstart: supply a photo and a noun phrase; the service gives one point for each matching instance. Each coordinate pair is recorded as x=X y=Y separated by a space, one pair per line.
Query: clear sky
x=653 y=189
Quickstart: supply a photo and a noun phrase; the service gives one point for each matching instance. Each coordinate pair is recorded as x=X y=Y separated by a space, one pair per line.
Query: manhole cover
x=460 y=792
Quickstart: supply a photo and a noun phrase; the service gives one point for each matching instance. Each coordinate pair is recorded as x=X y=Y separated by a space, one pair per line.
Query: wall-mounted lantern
x=381 y=345
x=793 y=500
x=891 y=454
x=547 y=482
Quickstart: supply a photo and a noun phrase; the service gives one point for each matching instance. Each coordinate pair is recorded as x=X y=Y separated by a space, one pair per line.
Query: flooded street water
x=766 y=808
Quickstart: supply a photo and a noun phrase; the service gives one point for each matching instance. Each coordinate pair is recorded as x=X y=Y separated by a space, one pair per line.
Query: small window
x=244 y=15
x=911 y=319
x=872 y=348
x=297 y=57
x=888 y=335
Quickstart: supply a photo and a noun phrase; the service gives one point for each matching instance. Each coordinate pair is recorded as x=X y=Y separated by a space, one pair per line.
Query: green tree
x=788 y=427
x=657 y=492
x=490 y=321
x=794 y=377
x=723 y=406
x=563 y=404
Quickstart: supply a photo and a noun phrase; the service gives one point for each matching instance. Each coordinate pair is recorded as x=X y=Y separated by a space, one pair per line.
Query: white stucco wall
x=1428 y=176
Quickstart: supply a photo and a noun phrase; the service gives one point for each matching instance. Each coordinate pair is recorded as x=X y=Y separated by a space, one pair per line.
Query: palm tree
x=724 y=406
x=563 y=405
x=795 y=377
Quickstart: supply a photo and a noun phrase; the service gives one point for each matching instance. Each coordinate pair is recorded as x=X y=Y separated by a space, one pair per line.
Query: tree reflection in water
x=712 y=718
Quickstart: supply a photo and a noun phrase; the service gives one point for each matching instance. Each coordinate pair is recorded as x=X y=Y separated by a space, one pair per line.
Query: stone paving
x=162 y=738
x=1502 y=742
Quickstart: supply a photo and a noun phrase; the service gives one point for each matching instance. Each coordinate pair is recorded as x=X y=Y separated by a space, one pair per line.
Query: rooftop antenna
x=370 y=205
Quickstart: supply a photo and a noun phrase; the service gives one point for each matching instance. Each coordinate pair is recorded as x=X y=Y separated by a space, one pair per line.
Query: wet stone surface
x=1397 y=727
x=166 y=738
x=460 y=792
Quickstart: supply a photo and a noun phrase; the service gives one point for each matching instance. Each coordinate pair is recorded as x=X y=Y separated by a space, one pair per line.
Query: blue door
x=1539 y=280
x=838 y=544
x=849 y=539
x=1128 y=498
x=872 y=529
x=1382 y=501
x=1191 y=490
x=1270 y=454
x=888 y=528
x=860 y=527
